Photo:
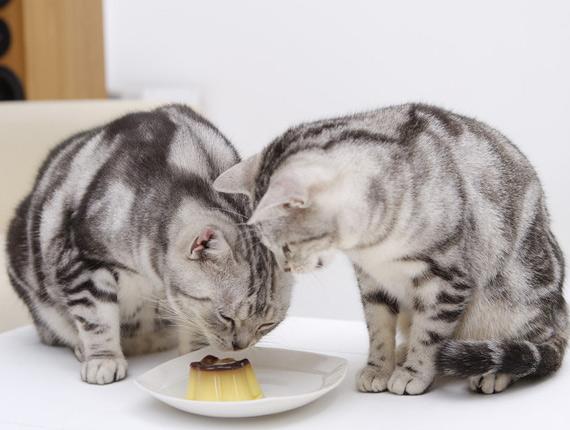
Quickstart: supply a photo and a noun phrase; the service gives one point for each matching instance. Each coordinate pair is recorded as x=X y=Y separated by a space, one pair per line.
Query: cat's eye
x=227 y=319
x=266 y=326
x=286 y=250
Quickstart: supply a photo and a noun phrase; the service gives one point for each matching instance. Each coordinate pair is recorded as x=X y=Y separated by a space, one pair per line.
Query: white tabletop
x=40 y=389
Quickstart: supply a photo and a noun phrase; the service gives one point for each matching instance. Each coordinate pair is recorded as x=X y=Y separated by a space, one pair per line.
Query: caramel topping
x=211 y=362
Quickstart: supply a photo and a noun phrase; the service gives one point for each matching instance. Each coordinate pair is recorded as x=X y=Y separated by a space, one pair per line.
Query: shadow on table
x=155 y=412
x=458 y=389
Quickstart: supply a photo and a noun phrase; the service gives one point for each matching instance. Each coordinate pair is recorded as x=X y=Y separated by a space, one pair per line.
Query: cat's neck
x=388 y=225
x=369 y=207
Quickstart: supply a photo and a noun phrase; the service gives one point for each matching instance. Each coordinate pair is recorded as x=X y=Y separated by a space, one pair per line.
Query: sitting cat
x=446 y=224
x=123 y=246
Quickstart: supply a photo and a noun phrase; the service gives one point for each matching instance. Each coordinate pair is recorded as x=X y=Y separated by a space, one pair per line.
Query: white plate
x=289 y=379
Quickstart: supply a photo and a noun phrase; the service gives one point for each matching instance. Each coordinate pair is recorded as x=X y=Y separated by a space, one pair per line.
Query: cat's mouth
x=228 y=345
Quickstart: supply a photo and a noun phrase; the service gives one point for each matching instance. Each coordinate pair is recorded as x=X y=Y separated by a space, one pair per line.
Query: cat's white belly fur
x=394 y=277
x=140 y=304
x=135 y=295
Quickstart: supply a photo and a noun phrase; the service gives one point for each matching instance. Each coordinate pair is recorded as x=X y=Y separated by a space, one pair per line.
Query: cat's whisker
x=228 y=211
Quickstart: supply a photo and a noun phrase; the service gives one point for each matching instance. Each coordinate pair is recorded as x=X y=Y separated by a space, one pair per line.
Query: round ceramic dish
x=289 y=379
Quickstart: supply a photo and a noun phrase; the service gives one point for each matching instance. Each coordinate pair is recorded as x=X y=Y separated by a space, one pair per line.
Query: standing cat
x=124 y=247
x=446 y=224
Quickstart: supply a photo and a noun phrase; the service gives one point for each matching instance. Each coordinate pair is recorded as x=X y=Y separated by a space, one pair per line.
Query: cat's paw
x=372 y=379
x=103 y=370
x=404 y=381
x=490 y=384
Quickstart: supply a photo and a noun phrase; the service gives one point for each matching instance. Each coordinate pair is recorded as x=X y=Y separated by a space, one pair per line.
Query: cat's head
x=298 y=207
x=225 y=286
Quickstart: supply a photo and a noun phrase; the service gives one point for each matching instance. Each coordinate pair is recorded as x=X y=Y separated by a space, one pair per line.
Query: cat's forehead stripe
x=261 y=266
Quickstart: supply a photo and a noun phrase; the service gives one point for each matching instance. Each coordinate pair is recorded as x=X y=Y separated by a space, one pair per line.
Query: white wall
x=264 y=65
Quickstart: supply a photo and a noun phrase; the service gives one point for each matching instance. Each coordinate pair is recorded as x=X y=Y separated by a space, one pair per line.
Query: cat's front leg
x=438 y=305
x=380 y=312
x=92 y=301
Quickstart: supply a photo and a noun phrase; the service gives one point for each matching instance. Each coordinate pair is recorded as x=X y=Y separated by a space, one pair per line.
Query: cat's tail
x=516 y=358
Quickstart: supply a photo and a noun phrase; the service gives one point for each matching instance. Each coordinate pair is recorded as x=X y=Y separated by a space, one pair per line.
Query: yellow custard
x=224 y=380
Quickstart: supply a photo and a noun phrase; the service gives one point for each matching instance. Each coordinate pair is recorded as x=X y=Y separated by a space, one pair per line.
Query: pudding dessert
x=225 y=380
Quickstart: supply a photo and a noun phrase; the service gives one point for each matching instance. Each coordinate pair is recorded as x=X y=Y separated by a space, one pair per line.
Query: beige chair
x=27 y=132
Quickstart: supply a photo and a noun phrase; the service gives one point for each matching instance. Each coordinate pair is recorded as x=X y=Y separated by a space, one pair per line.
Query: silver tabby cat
x=446 y=224
x=124 y=247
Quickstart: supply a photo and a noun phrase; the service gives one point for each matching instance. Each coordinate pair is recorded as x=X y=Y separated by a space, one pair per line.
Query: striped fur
x=123 y=246
x=446 y=224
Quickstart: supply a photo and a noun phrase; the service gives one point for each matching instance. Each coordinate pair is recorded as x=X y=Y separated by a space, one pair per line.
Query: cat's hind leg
x=438 y=305
x=92 y=302
x=491 y=383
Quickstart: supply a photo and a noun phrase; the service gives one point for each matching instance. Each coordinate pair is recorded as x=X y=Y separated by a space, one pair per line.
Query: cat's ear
x=209 y=244
x=294 y=188
x=282 y=194
x=240 y=178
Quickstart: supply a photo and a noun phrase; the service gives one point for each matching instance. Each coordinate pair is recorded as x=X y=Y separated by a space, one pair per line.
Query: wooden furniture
x=56 y=48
